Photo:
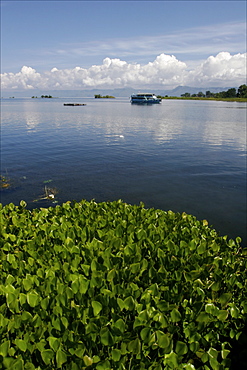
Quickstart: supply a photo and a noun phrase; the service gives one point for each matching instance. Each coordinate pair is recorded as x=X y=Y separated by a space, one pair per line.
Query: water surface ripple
x=180 y=155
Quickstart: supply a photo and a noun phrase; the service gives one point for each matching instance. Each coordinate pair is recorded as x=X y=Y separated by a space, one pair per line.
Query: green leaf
x=163 y=339
x=32 y=299
x=244 y=305
x=141 y=234
x=225 y=353
x=12 y=237
x=18 y=364
x=23 y=203
x=96 y=359
x=111 y=274
x=116 y=355
x=41 y=345
x=10 y=279
x=202 y=248
x=65 y=322
x=11 y=298
x=54 y=343
x=181 y=348
x=79 y=352
x=129 y=303
x=194 y=346
x=22 y=298
x=209 y=308
x=215 y=247
x=203 y=317
x=106 y=337
x=213 y=353
x=104 y=365
x=61 y=358
x=44 y=303
x=22 y=344
x=120 y=325
x=97 y=307
x=189 y=367
x=225 y=298
x=216 y=286
x=29 y=366
x=4 y=347
x=83 y=284
x=222 y=315
x=171 y=359
x=121 y=303
x=145 y=334
x=27 y=283
x=3 y=321
x=87 y=360
x=75 y=285
x=8 y=363
x=47 y=355
x=234 y=311
x=154 y=289
x=134 y=346
x=175 y=315
x=56 y=323
x=214 y=363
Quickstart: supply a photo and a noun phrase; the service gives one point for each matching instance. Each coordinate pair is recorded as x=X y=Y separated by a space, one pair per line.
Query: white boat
x=146 y=98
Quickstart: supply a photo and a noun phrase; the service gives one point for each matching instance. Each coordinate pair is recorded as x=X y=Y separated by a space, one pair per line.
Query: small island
x=46 y=96
x=43 y=97
x=98 y=96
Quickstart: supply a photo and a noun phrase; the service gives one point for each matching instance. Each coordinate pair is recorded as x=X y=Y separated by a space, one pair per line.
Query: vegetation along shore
x=229 y=95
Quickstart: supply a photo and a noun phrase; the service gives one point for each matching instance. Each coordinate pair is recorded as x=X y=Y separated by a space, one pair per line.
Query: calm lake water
x=180 y=155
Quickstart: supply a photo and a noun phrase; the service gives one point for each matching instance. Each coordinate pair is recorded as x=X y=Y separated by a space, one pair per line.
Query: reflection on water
x=181 y=155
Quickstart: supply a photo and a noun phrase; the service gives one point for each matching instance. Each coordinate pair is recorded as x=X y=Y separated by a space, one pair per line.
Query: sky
x=76 y=45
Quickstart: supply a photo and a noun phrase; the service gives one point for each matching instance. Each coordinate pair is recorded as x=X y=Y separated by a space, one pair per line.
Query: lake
x=180 y=155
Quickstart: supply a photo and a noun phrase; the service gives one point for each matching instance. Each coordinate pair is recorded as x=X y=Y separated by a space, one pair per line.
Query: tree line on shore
x=230 y=93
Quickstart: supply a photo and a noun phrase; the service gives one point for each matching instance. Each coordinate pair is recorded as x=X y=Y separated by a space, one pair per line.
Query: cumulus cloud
x=166 y=71
x=224 y=67
x=27 y=78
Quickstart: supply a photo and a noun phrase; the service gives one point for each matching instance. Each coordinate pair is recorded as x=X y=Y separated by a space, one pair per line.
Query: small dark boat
x=73 y=104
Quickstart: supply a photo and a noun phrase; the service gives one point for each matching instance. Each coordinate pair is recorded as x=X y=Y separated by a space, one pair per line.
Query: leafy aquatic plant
x=5 y=182
x=113 y=286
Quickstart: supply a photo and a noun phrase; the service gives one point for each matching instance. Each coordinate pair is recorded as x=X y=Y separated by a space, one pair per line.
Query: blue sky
x=123 y=39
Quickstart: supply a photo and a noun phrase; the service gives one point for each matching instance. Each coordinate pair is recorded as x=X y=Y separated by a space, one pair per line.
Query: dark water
x=180 y=155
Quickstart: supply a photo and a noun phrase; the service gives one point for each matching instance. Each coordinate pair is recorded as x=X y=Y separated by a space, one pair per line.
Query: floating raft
x=73 y=104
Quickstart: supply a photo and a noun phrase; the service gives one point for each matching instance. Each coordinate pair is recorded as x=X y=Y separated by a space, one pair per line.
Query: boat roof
x=151 y=94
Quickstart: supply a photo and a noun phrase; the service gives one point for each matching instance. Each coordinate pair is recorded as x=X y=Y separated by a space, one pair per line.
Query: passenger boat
x=141 y=98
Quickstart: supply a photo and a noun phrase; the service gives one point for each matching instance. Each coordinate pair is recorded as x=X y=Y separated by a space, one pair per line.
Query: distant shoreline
x=208 y=99
x=241 y=100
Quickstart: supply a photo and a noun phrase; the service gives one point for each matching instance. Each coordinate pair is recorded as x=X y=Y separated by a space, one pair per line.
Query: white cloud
x=166 y=71
x=27 y=78
x=224 y=67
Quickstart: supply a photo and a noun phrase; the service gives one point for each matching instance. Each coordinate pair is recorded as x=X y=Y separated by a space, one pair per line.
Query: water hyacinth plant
x=5 y=182
x=103 y=286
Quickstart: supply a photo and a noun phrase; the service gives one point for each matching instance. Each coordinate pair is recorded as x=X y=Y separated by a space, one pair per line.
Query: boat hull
x=145 y=102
